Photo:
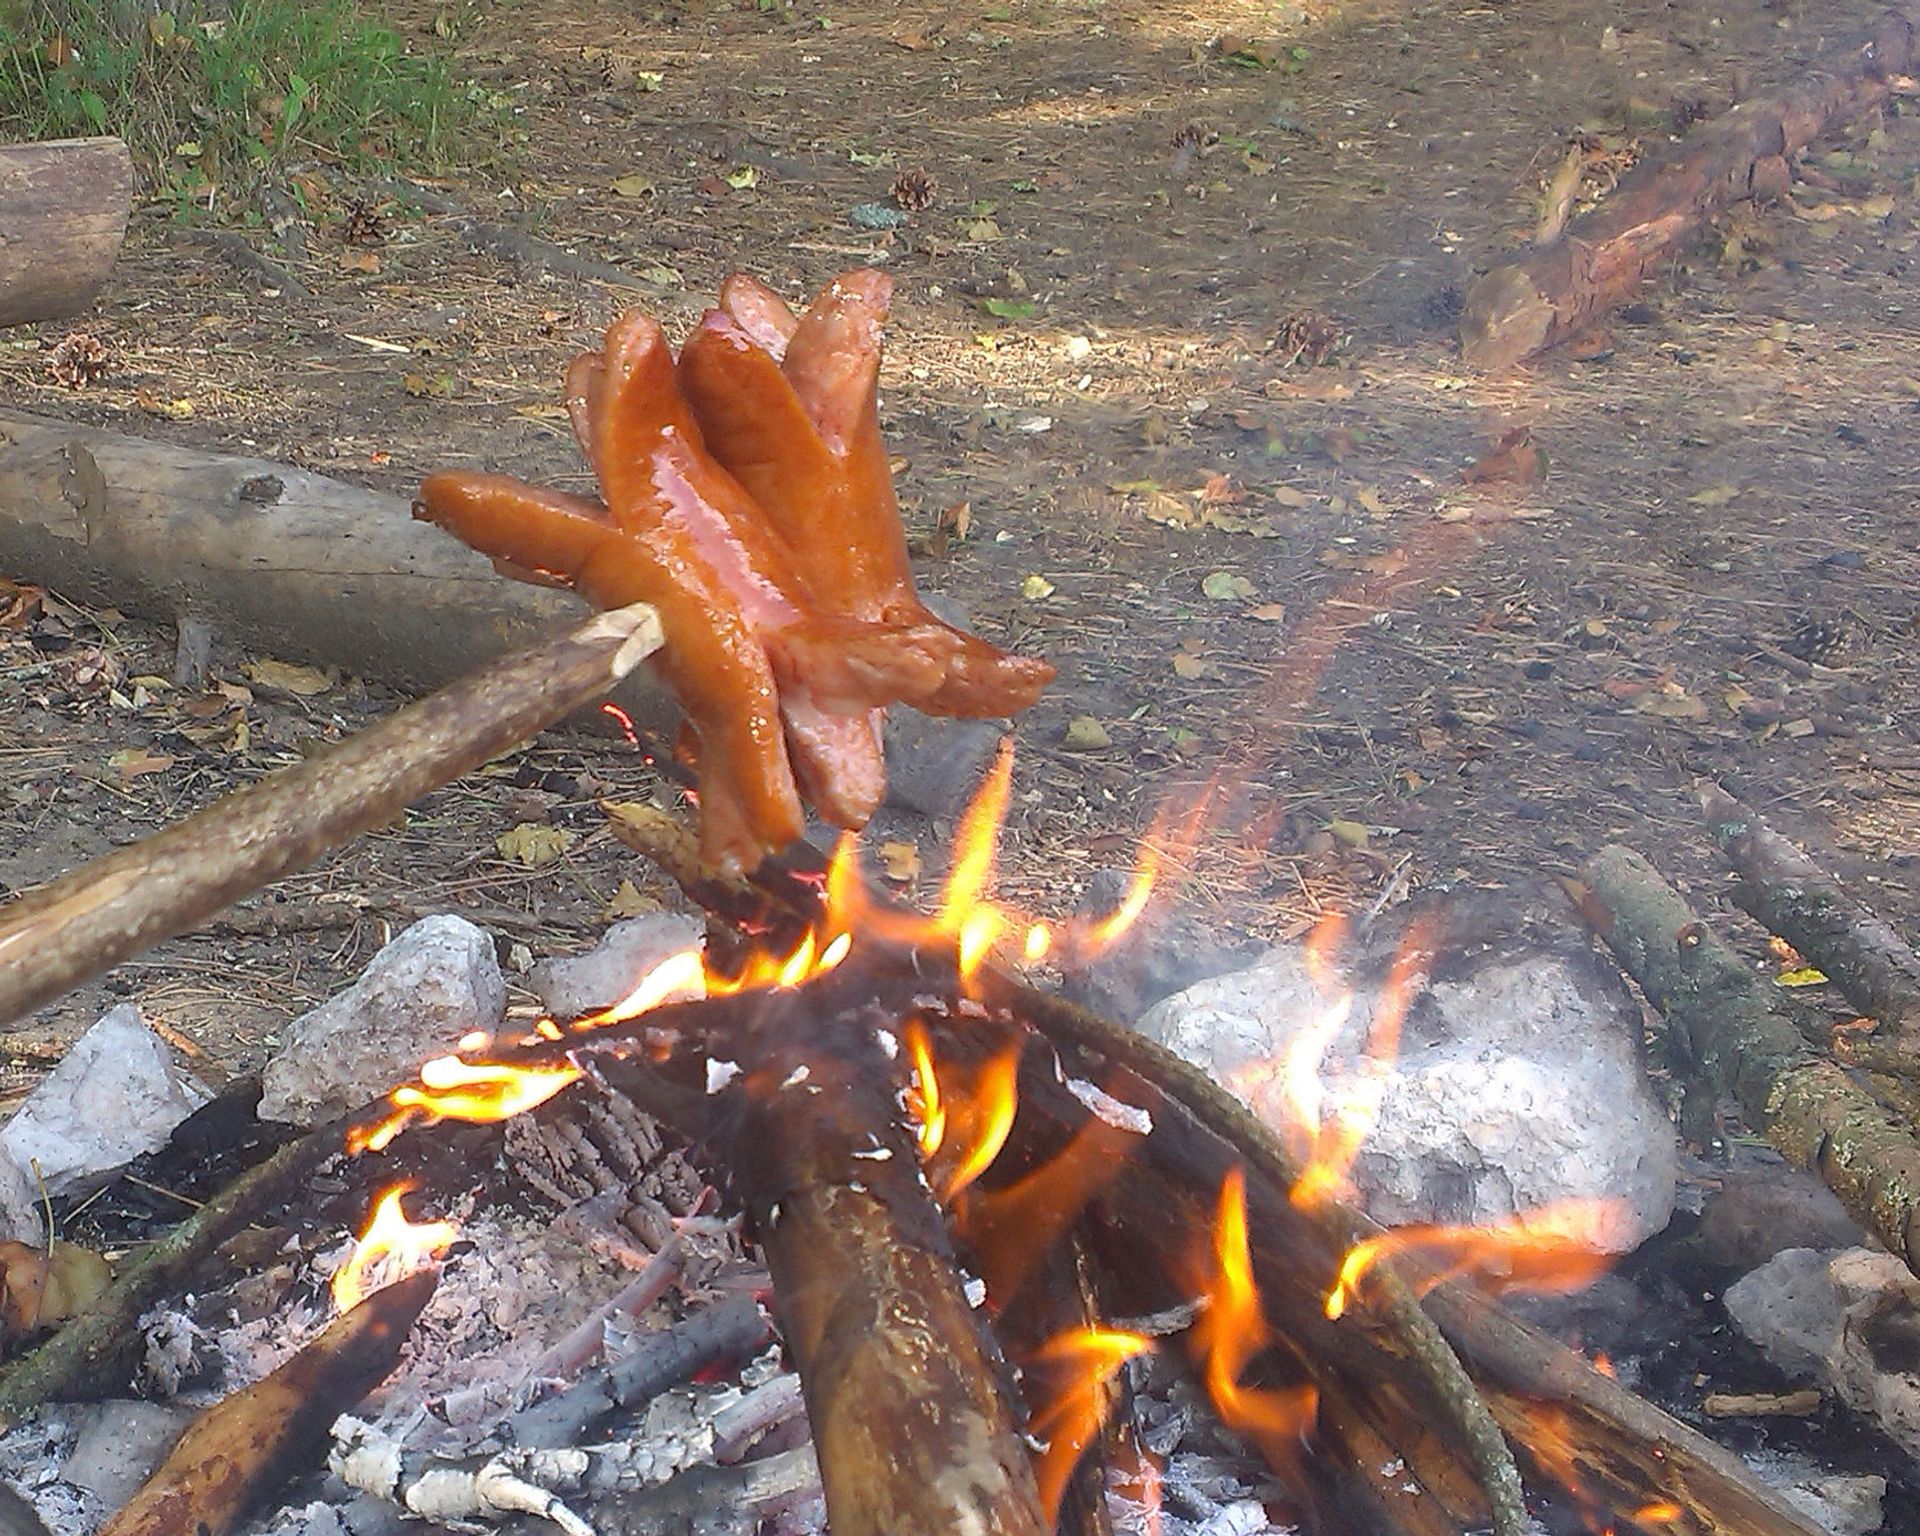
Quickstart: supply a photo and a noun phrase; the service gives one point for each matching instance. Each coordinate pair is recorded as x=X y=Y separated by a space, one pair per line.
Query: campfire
x=949 y=1251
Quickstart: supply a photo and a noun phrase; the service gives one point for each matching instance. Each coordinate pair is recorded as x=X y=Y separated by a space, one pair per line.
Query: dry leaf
x=357 y=259
x=1352 y=833
x=1085 y=734
x=1321 y=384
x=1269 y=613
x=1287 y=496
x=1370 y=500
x=533 y=844
x=628 y=900
x=1513 y=461
x=900 y=861
x=633 y=184
x=1036 y=588
x=288 y=677
x=1226 y=587
x=132 y=762
x=1714 y=496
x=1189 y=666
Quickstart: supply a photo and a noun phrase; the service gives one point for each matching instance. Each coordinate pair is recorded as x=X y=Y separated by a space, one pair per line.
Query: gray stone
x=1847 y=1320
x=1517 y=1084
x=575 y=985
x=437 y=981
x=1166 y=950
x=934 y=766
x=1764 y=1207
x=118 y=1445
x=1840 y=1503
x=116 y=1095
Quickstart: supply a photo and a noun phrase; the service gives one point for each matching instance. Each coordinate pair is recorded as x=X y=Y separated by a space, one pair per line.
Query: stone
x=1166 y=950
x=435 y=982
x=1765 y=1206
x=117 y=1094
x=1840 y=1503
x=934 y=766
x=1517 y=1084
x=119 y=1443
x=1848 y=1320
x=573 y=986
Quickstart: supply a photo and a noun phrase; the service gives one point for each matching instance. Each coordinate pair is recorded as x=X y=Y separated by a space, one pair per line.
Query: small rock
x=1164 y=951
x=934 y=766
x=1846 y=1320
x=1765 y=1207
x=576 y=985
x=119 y=1443
x=1517 y=1085
x=116 y=1095
x=1840 y=1503
x=437 y=980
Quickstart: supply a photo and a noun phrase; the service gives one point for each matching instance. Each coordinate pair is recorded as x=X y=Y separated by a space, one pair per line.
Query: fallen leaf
x=1370 y=500
x=1671 y=703
x=1805 y=976
x=288 y=677
x=1036 y=588
x=1352 y=833
x=1010 y=309
x=1189 y=666
x=1226 y=587
x=1390 y=563
x=1085 y=734
x=1714 y=496
x=1220 y=491
x=531 y=843
x=633 y=184
x=628 y=900
x=1269 y=613
x=1514 y=460
x=744 y=180
x=154 y=405
x=354 y=259
x=132 y=762
x=900 y=861
x=983 y=229
x=1287 y=496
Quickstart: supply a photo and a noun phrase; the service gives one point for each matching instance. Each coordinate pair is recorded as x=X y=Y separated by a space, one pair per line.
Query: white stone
x=1843 y=1320
x=116 y=1095
x=435 y=982
x=1517 y=1084
x=576 y=985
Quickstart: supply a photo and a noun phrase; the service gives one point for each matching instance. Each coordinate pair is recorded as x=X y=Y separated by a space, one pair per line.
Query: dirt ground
x=1094 y=349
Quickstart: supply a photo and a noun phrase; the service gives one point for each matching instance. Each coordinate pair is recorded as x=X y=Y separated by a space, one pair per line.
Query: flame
x=1086 y=1359
x=1137 y=1478
x=390 y=1249
x=928 y=1111
x=1661 y=1512
x=981 y=1119
x=1233 y=1331
x=1541 y=1251
x=453 y=1088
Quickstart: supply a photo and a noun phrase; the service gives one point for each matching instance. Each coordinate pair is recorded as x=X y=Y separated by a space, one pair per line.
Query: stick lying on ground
x=1857 y=950
x=1727 y=1026
x=1524 y=306
x=55 y=938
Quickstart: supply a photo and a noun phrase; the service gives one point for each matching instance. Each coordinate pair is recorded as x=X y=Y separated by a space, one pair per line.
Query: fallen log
x=249 y=1442
x=63 y=214
x=1725 y=1026
x=1536 y=301
x=58 y=936
x=1858 y=951
x=294 y=563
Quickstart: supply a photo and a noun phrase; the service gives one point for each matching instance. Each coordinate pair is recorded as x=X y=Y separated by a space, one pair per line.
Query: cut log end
x=63 y=214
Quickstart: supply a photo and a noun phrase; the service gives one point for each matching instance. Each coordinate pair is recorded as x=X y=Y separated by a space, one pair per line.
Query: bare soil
x=1405 y=680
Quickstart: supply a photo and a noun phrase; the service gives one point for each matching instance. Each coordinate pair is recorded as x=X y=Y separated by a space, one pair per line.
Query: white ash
x=1104 y=1107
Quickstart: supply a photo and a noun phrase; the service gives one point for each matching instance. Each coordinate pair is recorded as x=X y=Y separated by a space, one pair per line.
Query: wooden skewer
x=54 y=938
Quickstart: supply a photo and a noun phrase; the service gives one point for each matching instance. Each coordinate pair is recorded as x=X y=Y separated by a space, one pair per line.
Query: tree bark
x=1536 y=301
x=302 y=566
x=63 y=214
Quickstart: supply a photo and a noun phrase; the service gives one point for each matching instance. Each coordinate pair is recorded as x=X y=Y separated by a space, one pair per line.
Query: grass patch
x=211 y=95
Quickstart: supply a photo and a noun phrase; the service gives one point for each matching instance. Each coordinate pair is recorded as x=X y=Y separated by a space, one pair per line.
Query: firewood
x=56 y=937
x=64 y=206
x=249 y=1442
x=1858 y=951
x=1524 y=306
x=1722 y=1019
x=92 y=1342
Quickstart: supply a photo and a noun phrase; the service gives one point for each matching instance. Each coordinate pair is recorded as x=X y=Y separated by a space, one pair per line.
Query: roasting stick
x=53 y=939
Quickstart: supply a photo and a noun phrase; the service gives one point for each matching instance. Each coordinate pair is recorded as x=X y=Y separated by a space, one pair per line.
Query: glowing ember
x=1542 y=1251
x=1233 y=1331
x=390 y=1249
x=453 y=1088
x=1084 y=1361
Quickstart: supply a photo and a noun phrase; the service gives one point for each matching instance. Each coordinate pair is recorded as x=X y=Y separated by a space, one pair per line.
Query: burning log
x=64 y=206
x=1723 y=1020
x=248 y=1442
x=1524 y=306
x=54 y=938
x=905 y=1391
x=1857 y=950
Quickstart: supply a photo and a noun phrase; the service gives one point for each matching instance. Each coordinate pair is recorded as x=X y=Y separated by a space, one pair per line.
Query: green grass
x=213 y=94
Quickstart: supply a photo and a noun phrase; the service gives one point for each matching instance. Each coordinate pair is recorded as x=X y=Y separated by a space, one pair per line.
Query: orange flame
x=390 y=1249
x=929 y=1112
x=1086 y=1359
x=1541 y=1251
x=453 y=1088
x=1233 y=1331
x=981 y=1120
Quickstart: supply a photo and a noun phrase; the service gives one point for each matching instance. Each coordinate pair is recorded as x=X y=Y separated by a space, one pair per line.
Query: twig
x=58 y=936
x=235 y=251
x=90 y=1341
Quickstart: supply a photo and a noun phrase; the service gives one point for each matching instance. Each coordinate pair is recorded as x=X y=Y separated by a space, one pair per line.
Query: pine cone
x=79 y=359
x=1821 y=638
x=914 y=190
x=365 y=223
x=1311 y=337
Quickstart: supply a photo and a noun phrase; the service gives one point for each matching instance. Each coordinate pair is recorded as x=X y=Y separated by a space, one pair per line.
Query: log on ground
x=63 y=214
x=1536 y=301
x=293 y=563
x=1726 y=1026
